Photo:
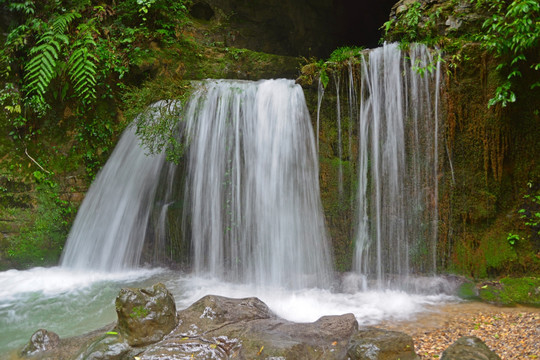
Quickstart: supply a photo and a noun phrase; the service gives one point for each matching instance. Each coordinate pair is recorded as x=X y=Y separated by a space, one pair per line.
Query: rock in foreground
x=145 y=316
x=42 y=340
x=216 y=327
x=469 y=348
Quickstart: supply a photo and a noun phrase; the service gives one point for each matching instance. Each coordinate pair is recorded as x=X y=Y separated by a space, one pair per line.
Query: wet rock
x=42 y=340
x=216 y=327
x=469 y=348
x=108 y=347
x=145 y=316
x=372 y=343
x=214 y=310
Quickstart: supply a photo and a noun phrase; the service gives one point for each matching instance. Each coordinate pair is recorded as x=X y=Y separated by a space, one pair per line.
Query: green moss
x=511 y=291
x=139 y=312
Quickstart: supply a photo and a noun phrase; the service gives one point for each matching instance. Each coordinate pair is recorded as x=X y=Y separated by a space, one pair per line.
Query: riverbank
x=511 y=332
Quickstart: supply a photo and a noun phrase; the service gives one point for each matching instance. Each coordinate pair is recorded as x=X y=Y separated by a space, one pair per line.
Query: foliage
x=62 y=60
x=409 y=27
x=337 y=59
x=511 y=33
x=512 y=238
x=345 y=53
x=41 y=242
x=156 y=119
x=529 y=213
x=73 y=50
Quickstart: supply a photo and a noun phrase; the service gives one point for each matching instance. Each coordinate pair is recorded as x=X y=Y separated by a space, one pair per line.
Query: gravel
x=512 y=333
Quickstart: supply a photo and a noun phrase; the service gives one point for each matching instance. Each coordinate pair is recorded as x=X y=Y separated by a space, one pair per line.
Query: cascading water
x=108 y=233
x=252 y=188
x=397 y=164
x=251 y=208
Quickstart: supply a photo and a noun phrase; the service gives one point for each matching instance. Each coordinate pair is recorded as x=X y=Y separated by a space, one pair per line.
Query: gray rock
x=469 y=348
x=145 y=316
x=108 y=347
x=220 y=328
x=377 y=344
x=42 y=340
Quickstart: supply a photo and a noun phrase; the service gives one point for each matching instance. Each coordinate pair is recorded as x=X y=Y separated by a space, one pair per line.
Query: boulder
x=42 y=340
x=469 y=348
x=145 y=316
x=216 y=327
x=372 y=343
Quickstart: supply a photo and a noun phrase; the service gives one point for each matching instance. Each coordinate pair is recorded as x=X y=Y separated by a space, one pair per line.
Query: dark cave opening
x=298 y=28
x=359 y=21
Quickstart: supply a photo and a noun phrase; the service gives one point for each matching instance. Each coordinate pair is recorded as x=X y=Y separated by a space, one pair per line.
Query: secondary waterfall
x=397 y=163
x=249 y=192
x=109 y=230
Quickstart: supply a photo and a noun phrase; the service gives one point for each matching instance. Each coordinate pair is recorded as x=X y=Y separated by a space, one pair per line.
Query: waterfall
x=108 y=232
x=397 y=164
x=249 y=192
x=252 y=187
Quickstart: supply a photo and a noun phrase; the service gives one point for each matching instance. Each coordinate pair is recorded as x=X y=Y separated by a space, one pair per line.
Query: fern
x=61 y=23
x=27 y=7
x=82 y=66
x=42 y=67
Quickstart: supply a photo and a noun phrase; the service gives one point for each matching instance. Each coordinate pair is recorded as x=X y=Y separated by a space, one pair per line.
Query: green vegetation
x=156 y=125
x=529 y=214
x=511 y=291
x=339 y=58
x=76 y=52
x=510 y=31
x=41 y=241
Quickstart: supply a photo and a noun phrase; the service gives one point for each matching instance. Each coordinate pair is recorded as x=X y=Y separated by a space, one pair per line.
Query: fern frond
x=61 y=23
x=40 y=70
x=82 y=65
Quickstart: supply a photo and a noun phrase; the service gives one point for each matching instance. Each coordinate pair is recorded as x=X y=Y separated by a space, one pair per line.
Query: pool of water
x=71 y=303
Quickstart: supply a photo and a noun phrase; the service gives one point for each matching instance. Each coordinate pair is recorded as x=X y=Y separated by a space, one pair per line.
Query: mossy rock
x=511 y=291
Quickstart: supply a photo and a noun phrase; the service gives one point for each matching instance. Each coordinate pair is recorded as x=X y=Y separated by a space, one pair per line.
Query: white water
x=252 y=191
x=109 y=231
x=398 y=152
x=251 y=204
